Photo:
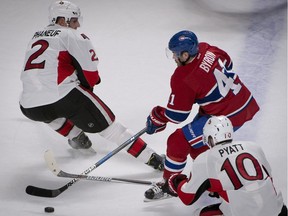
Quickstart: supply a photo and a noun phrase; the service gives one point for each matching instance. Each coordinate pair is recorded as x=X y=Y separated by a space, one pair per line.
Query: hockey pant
x=82 y=110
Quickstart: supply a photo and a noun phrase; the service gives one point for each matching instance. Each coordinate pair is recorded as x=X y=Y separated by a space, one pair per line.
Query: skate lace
x=157 y=191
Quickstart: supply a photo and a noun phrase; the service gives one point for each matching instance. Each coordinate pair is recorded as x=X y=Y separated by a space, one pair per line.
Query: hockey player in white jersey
x=58 y=77
x=236 y=172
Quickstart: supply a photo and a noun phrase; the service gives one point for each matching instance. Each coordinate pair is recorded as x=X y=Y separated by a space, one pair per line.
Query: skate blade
x=166 y=196
x=89 y=151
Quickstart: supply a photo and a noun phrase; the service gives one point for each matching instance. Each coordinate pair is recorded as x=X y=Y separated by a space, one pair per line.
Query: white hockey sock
x=65 y=128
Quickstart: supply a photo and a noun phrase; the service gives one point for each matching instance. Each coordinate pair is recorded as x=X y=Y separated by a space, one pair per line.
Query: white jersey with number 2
x=49 y=71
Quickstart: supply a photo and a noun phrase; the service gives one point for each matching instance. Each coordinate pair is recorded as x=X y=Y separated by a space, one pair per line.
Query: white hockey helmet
x=217 y=129
x=64 y=9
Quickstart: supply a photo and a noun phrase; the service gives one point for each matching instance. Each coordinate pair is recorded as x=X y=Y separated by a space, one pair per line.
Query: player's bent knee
x=177 y=145
x=195 y=152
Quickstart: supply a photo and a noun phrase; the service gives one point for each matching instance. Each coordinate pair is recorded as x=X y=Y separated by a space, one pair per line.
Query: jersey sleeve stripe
x=212 y=97
x=176 y=116
x=196 y=142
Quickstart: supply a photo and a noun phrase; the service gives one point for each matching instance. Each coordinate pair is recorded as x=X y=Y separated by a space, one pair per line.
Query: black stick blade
x=42 y=192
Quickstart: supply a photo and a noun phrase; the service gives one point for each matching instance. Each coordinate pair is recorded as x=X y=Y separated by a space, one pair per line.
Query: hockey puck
x=49 y=209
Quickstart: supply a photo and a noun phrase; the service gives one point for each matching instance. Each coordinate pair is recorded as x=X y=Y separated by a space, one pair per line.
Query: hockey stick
x=51 y=193
x=54 y=168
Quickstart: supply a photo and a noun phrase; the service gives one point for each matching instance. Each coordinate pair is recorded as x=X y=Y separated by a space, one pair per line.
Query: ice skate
x=156 y=161
x=157 y=192
x=82 y=141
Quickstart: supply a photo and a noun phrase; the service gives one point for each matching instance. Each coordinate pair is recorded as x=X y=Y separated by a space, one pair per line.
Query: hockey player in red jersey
x=58 y=77
x=204 y=76
x=238 y=173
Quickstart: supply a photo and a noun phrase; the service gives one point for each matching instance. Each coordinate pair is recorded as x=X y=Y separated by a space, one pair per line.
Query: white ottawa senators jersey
x=240 y=174
x=49 y=71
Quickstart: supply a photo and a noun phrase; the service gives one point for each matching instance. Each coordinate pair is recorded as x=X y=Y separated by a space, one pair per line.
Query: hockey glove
x=156 y=121
x=173 y=183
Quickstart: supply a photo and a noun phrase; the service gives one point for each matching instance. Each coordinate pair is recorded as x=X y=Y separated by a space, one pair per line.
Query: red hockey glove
x=174 y=181
x=156 y=121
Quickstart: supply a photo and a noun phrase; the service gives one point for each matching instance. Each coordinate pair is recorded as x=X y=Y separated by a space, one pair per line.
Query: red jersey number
x=93 y=57
x=43 y=45
x=241 y=170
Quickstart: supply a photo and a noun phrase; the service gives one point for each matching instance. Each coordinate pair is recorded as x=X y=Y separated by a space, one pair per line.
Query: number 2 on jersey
x=43 y=45
x=32 y=65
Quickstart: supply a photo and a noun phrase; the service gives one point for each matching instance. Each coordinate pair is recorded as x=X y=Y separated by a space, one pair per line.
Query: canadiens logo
x=182 y=38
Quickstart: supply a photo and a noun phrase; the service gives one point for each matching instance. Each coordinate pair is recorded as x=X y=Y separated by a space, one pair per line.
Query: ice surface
x=130 y=37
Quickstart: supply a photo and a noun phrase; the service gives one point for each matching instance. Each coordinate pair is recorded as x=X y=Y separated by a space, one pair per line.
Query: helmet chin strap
x=187 y=60
x=211 y=142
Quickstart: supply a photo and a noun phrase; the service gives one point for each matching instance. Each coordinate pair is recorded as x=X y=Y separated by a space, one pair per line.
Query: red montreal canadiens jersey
x=208 y=81
x=49 y=71
x=240 y=173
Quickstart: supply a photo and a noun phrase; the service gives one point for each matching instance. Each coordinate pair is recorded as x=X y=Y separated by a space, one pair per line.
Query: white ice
x=130 y=37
